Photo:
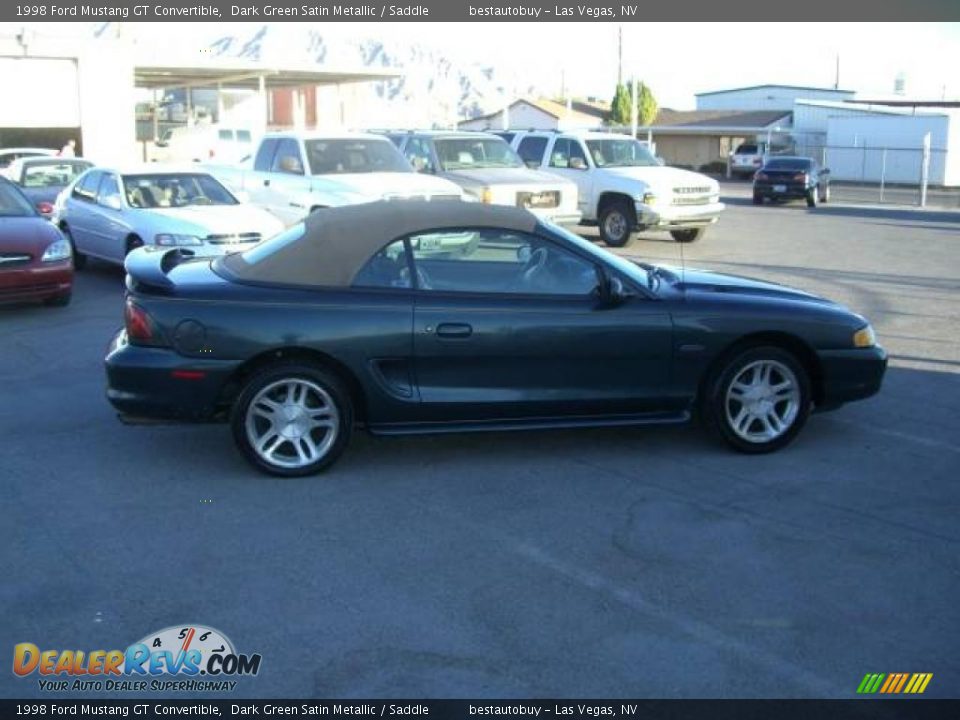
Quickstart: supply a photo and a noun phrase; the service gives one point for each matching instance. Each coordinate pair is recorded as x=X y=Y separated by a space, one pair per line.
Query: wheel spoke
x=742 y=421
x=265 y=440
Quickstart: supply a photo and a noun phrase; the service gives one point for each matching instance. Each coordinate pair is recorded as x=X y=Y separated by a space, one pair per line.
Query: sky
x=676 y=60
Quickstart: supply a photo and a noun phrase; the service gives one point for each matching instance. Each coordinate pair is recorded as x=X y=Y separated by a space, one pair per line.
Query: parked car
x=106 y=213
x=792 y=178
x=621 y=186
x=8 y=155
x=749 y=157
x=35 y=261
x=203 y=143
x=343 y=319
x=294 y=174
x=41 y=178
x=487 y=168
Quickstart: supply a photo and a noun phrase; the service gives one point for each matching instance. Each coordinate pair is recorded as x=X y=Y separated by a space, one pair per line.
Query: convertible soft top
x=339 y=241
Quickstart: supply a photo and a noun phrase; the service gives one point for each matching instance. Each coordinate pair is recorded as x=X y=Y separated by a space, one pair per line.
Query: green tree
x=620 y=107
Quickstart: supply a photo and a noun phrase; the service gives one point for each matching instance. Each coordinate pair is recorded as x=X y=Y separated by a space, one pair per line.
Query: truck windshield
x=339 y=156
x=620 y=153
x=475 y=153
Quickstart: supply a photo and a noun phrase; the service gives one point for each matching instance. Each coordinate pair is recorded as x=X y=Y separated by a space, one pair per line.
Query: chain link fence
x=895 y=175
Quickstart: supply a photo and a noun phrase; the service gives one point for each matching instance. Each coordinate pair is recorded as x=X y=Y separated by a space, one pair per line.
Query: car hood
x=358 y=187
x=707 y=281
x=202 y=220
x=26 y=234
x=507 y=176
x=662 y=178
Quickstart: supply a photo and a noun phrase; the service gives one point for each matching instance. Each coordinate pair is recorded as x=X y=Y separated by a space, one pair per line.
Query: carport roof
x=247 y=76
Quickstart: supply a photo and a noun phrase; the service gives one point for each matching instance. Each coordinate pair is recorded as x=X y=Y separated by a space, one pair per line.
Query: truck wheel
x=689 y=235
x=616 y=223
x=812 y=195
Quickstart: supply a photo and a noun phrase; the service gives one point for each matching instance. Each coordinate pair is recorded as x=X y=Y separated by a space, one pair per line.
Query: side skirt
x=536 y=423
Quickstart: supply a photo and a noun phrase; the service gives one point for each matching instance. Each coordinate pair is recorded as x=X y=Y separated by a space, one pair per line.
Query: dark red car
x=36 y=262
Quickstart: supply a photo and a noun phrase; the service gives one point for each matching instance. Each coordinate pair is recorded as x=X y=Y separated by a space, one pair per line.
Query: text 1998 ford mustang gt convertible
x=413 y=317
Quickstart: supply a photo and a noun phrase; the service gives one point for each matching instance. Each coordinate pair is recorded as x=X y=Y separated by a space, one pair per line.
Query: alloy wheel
x=762 y=401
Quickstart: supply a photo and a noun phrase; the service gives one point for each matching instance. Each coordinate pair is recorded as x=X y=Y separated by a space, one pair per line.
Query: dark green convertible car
x=417 y=317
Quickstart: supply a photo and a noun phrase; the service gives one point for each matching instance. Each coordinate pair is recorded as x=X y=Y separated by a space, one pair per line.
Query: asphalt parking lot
x=609 y=563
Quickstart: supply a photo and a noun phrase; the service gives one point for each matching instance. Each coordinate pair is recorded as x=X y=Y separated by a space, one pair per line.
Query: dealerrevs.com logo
x=178 y=658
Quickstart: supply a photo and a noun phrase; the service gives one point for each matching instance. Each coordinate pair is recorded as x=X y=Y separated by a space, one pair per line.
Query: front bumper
x=852 y=374
x=159 y=383
x=678 y=216
x=37 y=281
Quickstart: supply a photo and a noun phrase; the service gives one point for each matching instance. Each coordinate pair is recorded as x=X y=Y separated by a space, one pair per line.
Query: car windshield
x=13 y=203
x=630 y=269
x=52 y=173
x=620 y=153
x=331 y=157
x=475 y=153
x=166 y=190
x=788 y=164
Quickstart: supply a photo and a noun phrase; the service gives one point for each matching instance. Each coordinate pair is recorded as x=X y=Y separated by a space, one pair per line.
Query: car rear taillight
x=141 y=330
x=45 y=208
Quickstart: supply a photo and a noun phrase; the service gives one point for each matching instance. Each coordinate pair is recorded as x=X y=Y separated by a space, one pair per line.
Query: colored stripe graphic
x=894 y=683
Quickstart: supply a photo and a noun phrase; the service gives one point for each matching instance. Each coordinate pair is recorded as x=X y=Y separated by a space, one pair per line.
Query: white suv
x=622 y=187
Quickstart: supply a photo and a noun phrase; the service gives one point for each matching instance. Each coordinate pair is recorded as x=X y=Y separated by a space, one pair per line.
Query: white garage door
x=38 y=93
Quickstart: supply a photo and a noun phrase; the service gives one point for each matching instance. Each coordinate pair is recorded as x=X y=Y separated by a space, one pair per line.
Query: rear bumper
x=790 y=190
x=851 y=374
x=37 y=281
x=159 y=383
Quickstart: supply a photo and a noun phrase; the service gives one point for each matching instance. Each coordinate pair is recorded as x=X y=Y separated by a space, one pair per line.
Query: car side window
x=417 y=153
x=86 y=189
x=109 y=189
x=265 y=153
x=498 y=261
x=531 y=150
x=568 y=153
x=288 y=159
x=389 y=268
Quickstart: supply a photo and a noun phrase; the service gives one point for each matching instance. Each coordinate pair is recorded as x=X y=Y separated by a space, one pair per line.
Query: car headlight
x=864 y=337
x=171 y=240
x=649 y=198
x=486 y=195
x=57 y=250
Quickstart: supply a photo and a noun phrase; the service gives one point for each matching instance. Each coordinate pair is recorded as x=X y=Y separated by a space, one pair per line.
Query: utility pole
x=619 y=55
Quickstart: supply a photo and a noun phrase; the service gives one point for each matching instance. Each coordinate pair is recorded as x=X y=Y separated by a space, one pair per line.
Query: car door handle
x=266 y=183
x=454 y=330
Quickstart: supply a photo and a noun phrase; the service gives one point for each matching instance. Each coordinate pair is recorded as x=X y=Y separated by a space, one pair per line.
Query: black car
x=419 y=317
x=791 y=178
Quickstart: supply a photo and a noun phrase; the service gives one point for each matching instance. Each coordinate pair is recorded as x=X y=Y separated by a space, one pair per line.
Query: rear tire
x=826 y=195
x=61 y=300
x=292 y=419
x=689 y=235
x=616 y=223
x=758 y=400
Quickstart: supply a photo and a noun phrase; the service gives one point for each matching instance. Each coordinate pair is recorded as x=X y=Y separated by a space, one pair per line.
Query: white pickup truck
x=622 y=187
x=294 y=173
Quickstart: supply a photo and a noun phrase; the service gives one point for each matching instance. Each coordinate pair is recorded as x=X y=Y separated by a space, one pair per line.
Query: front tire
x=616 y=223
x=812 y=196
x=689 y=235
x=79 y=259
x=759 y=400
x=292 y=419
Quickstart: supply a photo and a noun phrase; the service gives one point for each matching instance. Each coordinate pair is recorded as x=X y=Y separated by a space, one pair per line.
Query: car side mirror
x=611 y=290
x=576 y=163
